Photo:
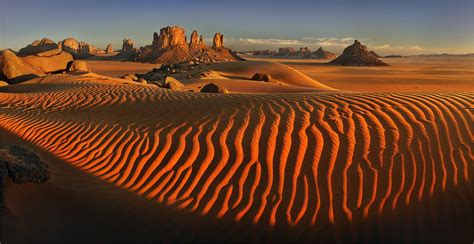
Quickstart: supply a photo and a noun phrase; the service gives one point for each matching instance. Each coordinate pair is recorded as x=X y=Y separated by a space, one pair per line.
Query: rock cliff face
x=38 y=46
x=170 y=46
x=357 y=55
x=170 y=36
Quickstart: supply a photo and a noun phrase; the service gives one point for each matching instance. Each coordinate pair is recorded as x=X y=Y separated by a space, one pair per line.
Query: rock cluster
x=38 y=46
x=304 y=53
x=21 y=166
x=18 y=69
x=357 y=55
x=170 y=47
x=76 y=48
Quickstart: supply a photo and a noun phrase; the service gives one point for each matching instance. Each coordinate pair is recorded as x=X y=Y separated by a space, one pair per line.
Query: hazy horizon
x=402 y=27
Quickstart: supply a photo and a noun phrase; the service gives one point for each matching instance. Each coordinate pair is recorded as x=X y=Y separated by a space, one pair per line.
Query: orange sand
x=318 y=166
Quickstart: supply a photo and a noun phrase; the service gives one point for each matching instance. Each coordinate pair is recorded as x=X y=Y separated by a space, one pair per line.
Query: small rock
x=262 y=77
x=213 y=88
x=77 y=66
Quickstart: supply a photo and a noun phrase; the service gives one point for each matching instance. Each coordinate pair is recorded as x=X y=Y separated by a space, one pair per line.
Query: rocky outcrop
x=196 y=41
x=357 y=55
x=170 y=47
x=16 y=70
x=50 y=61
x=304 y=53
x=21 y=166
x=127 y=46
x=77 y=49
x=38 y=46
x=286 y=51
x=109 y=49
x=218 y=40
x=170 y=36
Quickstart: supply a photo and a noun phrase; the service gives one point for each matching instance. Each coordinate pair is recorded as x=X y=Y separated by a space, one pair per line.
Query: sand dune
x=312 y=161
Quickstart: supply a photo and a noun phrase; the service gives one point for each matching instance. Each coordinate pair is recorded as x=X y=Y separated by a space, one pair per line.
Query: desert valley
x=182 y=140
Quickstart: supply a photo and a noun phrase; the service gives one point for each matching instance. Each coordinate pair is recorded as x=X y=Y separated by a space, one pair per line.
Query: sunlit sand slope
x=272 y=159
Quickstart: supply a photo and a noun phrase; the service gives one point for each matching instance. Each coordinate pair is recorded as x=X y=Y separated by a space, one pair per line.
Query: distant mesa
x=393 y=56
x=37 y=47
x=171 y=46
x=357 y=55
x=127 y=46
x=302 y=53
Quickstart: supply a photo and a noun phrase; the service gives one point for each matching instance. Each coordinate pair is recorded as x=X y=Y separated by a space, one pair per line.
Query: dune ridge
x=312 y=159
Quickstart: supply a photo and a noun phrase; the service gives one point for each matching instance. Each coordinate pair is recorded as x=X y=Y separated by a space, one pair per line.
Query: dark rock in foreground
x=21 y=166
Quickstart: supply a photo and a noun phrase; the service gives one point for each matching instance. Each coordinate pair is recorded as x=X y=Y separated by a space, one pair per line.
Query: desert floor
x=297 y=161
x=408 y=74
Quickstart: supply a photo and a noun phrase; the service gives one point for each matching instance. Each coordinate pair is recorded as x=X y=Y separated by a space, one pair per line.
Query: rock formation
x=77 y=66
x=304 y=53
x=16 y=70
x=375 y=54
x=262 y=77
x=127 y=46
x=170 y=36
x=76 y=48
x=213 y=88
x=170 y=46
x=196 y=41
x=357 y=55
x=109 y=49
x=50 y=61
x=38 y=46
x=286 y=51
x=323 y=54
x=218 y=40
x=21 y=166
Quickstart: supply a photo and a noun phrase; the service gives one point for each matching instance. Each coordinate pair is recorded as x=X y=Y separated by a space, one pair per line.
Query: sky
x=387 y=27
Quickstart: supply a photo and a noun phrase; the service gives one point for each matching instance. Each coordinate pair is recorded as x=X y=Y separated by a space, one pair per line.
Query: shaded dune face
x=270 y=159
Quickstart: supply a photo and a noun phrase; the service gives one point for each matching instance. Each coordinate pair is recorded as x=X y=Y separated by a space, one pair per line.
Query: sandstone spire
x=218 y=40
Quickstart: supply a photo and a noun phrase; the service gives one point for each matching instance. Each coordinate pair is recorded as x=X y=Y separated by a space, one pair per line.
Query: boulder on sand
x=172 y=84
x=16 y=70
x=213 y=88
x=262 y=77
x=77 y=66
x=50 y=61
